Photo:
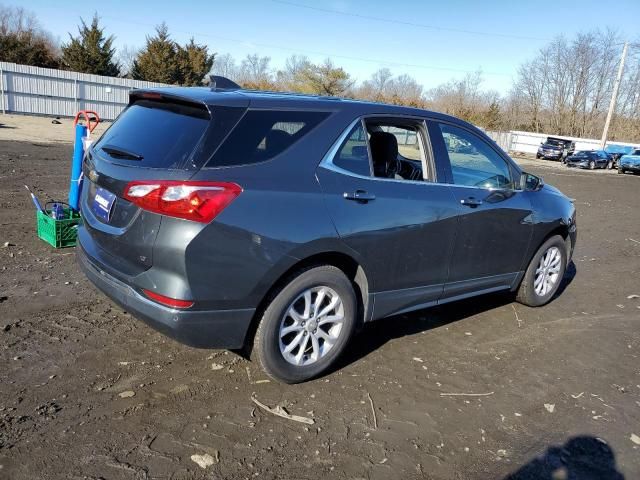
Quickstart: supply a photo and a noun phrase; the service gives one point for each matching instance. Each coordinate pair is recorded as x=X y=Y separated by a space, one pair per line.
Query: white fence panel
x=46 y=91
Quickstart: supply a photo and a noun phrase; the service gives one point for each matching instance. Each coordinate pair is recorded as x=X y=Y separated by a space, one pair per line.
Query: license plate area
x=102 y=204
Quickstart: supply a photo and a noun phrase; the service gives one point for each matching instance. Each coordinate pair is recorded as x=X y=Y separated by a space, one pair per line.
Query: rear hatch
x=159 y=136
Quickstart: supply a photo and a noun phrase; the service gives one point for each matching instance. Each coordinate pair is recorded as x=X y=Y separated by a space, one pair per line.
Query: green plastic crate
x=58 y=233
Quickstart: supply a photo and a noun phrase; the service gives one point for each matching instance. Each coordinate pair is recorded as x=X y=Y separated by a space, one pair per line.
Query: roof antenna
x=216 y=82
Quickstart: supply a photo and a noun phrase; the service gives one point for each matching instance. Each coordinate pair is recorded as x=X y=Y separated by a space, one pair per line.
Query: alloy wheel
x=548 y=272
x=311 y=326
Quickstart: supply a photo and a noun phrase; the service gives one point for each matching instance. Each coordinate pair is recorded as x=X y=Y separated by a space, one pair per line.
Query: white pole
x=614 y=97
x=2 y=90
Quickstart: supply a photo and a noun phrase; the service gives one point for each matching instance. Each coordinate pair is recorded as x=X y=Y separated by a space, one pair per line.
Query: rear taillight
x=168 y=301
x=196 y=201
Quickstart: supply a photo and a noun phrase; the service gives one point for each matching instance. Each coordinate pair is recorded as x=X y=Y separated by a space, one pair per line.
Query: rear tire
x=592 y=164
x=537 y=156
x=295 y=341
x=544 y=273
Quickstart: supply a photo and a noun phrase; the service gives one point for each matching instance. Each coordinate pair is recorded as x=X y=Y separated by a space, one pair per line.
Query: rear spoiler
x=190 y=106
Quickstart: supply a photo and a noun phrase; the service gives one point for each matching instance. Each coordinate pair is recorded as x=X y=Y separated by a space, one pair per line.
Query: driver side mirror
x=530 y=183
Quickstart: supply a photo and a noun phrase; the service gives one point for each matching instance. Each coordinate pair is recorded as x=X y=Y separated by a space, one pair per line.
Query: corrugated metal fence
x=45 y=91
x=528 y=142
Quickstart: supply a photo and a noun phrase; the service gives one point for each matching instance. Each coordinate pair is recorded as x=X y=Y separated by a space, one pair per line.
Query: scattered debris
x=281 y=412
x=635 y=439
x=262 y=381
x=468 y=334
x=466 y=394
x=418 y=359
x=216 y=366
x=577 y=396
x=7 y=245
x=203 y=461
x=632 y=296
x=127 y=394
x=373 y=410
x=550 y=407
x=633 y=240
x=56 y=122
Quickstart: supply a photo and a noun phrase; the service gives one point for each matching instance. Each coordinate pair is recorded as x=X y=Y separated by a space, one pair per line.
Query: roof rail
x=216 y=82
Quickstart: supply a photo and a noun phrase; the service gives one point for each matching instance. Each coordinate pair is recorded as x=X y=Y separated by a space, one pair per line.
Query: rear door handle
x=471 y=202
x=359 y=196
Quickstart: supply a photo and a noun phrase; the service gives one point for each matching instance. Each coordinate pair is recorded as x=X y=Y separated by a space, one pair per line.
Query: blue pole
x=76 y=167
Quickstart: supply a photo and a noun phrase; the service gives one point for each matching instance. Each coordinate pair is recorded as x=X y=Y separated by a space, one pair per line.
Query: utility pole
x=614 y=96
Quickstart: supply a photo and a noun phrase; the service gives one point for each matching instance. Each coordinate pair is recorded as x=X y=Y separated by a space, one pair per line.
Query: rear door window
x=353 y=155
x=154 y=134
x=263 y=134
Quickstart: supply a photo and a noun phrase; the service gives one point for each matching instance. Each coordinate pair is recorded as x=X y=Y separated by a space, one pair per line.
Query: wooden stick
x=281 y=412
x=373 y=410
x=466 y=394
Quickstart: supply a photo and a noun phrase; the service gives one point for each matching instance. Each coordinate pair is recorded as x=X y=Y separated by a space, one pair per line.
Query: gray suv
x=282 y=223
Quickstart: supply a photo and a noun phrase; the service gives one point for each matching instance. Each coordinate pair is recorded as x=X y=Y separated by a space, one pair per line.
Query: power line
x=407 y=23
x=313 y=52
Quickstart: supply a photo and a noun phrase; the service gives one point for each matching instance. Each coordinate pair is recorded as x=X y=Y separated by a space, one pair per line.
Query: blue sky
x=433 y=41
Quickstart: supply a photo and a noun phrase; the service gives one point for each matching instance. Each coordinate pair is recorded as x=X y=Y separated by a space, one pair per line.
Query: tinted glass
x=154 y=134
x=263 y=134
x=473 y=161
x=353 y=154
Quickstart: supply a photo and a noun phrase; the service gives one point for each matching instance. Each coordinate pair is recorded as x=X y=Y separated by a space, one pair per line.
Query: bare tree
x=255 y=72
x=126 y=55
x=567 y=87
x=225 y=66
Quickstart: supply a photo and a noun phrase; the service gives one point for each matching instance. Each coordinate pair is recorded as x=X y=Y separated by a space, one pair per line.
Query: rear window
x=263 y=134
x=154 y=134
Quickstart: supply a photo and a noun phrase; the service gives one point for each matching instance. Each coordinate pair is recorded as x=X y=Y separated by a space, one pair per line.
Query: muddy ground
x=87 y=392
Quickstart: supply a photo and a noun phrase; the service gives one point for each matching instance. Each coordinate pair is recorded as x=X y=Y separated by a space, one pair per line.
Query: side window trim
x=423 y=132
x=366 y=141
x=512 y=170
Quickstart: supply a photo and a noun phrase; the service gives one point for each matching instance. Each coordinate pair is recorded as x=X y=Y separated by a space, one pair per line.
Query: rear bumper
x=197 y=328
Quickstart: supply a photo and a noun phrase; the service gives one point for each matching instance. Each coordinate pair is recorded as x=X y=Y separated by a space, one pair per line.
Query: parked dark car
x=281 y=223
x=630 y=163
x=590 y=159
x=556 y=148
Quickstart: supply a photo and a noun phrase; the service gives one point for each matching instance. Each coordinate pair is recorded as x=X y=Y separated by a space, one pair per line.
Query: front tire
x=544 y=273
x=592 y=165
x=306 y=325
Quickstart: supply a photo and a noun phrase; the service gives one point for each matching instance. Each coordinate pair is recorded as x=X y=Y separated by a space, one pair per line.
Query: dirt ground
x=482 y=389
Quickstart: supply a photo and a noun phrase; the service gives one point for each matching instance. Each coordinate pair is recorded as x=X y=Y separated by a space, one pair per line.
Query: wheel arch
x=346 y=263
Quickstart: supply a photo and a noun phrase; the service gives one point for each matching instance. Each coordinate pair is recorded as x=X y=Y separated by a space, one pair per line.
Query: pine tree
x=194 y=63
x=158 y=61
x=492 y=118
x=90 y=51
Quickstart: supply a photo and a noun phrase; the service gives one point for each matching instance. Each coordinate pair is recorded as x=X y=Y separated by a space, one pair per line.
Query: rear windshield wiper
x=118 y=152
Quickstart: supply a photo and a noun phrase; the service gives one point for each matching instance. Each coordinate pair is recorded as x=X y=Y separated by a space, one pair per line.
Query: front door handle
x=471 y=202
x=359 y=196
